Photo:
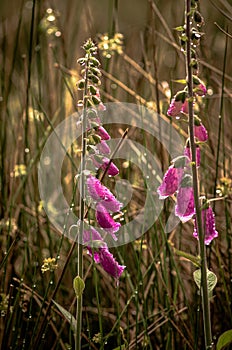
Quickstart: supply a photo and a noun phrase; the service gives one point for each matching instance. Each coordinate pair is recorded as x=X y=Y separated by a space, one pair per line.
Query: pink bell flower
x=106 y=221
x=103 y=133
x=101 y=253
x=103 y=147
x=112 y=170
x=184 y=207
x=187 y=152
x=170 y=183
x=102 y=194
x=177 y=104
x=199 y=87
x=208 y=222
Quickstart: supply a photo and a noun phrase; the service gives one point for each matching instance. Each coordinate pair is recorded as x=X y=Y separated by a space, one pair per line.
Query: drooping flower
x=92 y=235
x=112 y=170
x=187 y=152
x=185 y=107
x=103 y=147
x=103 y=133
x=106 y=221
x=208 y=223
x=184 y=207
x=102 y=194
x=200 y=132
x=170 y=183
x=101 y=105
x=177 y=104
x=102 y=255
x=199 y=87
x=109 y=264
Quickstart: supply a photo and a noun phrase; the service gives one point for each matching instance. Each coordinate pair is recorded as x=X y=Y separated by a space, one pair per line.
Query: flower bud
x=95 y=100
x=92 y=89
x=94 y=62
x=198 y=18
x=94 y=79
x=81 y=84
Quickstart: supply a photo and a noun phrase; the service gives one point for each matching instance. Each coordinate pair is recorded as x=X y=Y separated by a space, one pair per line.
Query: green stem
x=81 y=209
x=202 y=250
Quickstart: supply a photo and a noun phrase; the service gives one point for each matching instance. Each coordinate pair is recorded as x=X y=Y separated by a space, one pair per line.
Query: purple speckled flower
x=101 y=253
x=208 y=222
x=185 y=107
x=103 y=147
x=170 y=183
x=103 y=133
x=112 y=170
x=91 y=235
x=199 y=87
x=102 y=194
x=177 y=104
x=185 y=208
x=106 y=221
x=200 y=132
x=200 y=90
x=109 y=264
x=187 y=152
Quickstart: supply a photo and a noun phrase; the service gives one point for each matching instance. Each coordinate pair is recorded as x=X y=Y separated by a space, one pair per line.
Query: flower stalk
x=81 y=209
x=202 y=249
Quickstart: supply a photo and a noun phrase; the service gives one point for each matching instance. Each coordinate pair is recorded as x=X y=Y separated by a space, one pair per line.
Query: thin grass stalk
x=220 y=120
x=96 y=282
x=202 y=249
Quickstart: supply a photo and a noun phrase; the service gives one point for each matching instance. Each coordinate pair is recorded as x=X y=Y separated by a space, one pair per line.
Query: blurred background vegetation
x=156 y=304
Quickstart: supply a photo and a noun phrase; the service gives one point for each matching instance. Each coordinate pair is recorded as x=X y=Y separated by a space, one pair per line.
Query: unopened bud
x=78 y=286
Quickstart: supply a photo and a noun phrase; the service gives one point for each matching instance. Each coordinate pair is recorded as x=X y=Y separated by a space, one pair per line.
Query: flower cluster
x=178 y=179
x=98 y=155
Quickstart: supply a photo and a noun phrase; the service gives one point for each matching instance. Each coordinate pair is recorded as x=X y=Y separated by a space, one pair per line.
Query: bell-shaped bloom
x=208 y=224
x=187 y=152
x=101 y=106
x=177 y=104
x=106 y=221
x=112 y=170
x=108 y=262
x=102 y=194
x=170 y=183
x=185 y=107
x=184 y=207
x=200 y=132
x=199 y=87
x=103 y=133
x=103 y=148
x=93 y=239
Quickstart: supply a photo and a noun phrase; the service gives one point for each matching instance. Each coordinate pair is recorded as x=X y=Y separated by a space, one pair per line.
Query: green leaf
x=122 y=347
x=67 y=315
x=180 y=81
x=224 y=339
x=194 y=259
x=78 y=286
x=211 y=280
x=179 y=29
